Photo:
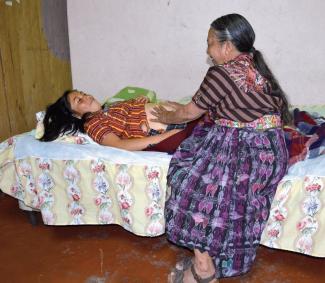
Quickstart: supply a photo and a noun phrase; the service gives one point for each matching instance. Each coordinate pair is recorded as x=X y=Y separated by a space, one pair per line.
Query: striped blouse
x=236 y=92
x=123 y=119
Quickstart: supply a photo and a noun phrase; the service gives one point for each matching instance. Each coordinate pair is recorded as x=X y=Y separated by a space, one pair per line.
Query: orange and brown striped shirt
x=123 y=119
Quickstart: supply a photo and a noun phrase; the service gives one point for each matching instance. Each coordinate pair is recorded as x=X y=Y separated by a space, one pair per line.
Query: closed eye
x=77 y=100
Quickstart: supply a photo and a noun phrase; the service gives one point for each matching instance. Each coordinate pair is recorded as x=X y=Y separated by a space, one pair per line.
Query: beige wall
x=30 y=75
x=161 y=44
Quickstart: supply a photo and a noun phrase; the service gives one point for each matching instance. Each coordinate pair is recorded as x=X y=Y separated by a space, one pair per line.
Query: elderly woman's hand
x=142 y=99
x=176 y=113
x=161 y=114
x=171 y=105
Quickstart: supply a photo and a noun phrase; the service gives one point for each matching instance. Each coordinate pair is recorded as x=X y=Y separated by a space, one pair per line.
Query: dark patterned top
x=236 y=91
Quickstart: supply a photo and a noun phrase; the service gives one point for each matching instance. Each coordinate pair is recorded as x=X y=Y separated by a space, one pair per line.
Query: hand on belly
x=155 y=125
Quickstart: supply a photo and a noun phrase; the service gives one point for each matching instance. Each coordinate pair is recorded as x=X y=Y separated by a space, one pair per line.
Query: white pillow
x=39 y=131
x=77 y=138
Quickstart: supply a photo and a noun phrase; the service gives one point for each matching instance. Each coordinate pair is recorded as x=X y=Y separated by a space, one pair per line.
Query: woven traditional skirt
x=221 y=184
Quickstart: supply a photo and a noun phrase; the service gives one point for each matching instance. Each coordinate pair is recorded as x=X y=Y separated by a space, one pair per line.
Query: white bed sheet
x=28 y=146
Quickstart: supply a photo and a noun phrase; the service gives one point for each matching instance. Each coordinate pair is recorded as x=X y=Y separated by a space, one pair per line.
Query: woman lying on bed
x=124 y=125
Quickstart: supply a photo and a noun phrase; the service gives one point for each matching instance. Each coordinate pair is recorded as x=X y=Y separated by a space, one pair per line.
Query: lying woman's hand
x=113 y=140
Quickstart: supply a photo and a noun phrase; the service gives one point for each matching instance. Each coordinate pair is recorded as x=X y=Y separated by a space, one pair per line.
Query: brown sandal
x=199 y=279
x=184 y=264
x=177 y=275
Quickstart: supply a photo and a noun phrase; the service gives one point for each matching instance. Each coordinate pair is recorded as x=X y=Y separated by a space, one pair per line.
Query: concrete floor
x=100 y=254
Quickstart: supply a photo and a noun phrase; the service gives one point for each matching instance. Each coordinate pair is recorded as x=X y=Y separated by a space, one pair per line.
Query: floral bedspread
x=297 y=218
x=88 y=191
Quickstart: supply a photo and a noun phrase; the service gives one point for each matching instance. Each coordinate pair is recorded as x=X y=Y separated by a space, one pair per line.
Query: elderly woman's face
x=82 y=103
x=216 y=49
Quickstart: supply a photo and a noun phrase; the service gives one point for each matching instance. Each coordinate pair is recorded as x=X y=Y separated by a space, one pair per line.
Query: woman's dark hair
x=59 y=119
x=235 y=28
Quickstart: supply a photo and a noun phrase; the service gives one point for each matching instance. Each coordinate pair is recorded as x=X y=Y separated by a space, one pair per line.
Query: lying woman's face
x=82 y=103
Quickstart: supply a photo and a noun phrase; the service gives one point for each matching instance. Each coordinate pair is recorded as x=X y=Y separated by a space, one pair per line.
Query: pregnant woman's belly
x=155 y=125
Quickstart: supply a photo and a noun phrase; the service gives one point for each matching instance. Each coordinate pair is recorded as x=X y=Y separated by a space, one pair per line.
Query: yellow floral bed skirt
x=70 y=192
x=297 y=218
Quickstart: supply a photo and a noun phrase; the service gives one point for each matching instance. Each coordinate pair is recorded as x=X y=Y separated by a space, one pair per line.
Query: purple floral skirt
x=222 y=181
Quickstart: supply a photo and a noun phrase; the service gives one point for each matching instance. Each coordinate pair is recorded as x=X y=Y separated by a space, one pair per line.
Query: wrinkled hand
x=175 y=105
x=160 y=113
x=142 y=99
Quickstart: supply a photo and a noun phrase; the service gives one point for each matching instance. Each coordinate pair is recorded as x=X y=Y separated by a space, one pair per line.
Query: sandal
x=199 y=279
x=184 y=264
x=177 y=274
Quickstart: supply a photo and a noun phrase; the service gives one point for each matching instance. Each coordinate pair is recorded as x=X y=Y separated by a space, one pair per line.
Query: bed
x=297 y=218
x=86 y=183
x=79 y=182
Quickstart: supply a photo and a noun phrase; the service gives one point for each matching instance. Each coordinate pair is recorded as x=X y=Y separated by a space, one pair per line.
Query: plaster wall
x=161 y=44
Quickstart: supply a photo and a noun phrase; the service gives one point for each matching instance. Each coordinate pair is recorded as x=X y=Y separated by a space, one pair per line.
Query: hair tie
x=252 y=50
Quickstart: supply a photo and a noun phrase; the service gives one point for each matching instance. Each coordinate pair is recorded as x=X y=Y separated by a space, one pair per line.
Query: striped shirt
x=236 y=92
x=123 y=119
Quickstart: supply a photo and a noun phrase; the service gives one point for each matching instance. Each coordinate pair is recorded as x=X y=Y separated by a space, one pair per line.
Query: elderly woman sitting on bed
x=123 y=125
